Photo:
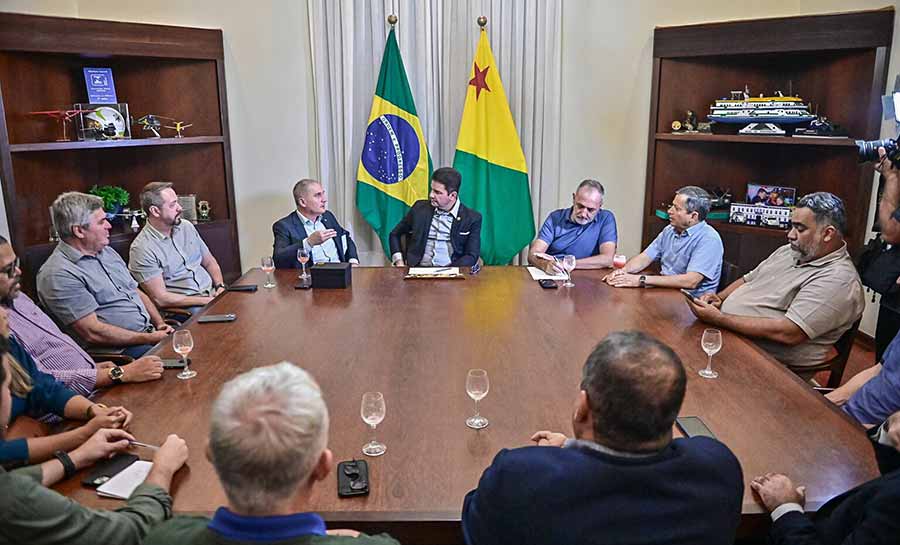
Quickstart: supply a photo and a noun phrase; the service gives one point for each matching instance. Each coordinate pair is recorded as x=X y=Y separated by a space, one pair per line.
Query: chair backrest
x=844 y=346
x=730 y=273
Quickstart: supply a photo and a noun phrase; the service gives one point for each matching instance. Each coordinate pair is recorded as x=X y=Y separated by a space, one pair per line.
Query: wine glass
x=619 y=261
x=711 y=343
x=372 y=412
x=183 y=343
x=303 y=257
x=268 y=265
x=568 y=265
x=477 y=386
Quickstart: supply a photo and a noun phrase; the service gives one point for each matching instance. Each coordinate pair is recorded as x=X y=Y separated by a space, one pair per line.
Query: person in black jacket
x=313 y=227
x=441 y=231
x=866 y=515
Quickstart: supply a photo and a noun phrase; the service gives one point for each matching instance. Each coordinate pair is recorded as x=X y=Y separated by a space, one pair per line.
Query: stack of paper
x=433 y=272
x=123 y=483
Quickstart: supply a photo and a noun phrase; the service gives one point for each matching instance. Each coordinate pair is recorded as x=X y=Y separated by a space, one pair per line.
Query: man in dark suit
x=311 y=226
x=867 y=514
x=622 y=479
x=441 y=232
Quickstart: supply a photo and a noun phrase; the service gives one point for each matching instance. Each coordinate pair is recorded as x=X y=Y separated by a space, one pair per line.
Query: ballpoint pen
x=145 y=445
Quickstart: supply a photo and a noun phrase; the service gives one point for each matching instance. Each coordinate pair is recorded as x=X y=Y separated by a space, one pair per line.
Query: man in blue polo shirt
x=688 y=249
x=585 y=230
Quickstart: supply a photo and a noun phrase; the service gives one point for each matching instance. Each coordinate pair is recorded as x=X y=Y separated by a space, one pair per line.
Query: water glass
x=711 y=342
x=372 y=412
x=268 y=267
x=183 y=343
x=303 y=258
x=477 y=386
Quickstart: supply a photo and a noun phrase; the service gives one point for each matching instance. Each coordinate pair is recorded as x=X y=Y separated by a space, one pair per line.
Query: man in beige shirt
x=803 y=297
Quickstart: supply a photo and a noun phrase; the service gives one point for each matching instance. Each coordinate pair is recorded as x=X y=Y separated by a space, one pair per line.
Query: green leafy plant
x=112 y=196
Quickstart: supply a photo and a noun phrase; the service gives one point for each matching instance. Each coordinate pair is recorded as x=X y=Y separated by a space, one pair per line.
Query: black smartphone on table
x=548 y=284
x=693 y=426
x=108 y=469
x=172 y=363
x=353 y=478
x=243 y=287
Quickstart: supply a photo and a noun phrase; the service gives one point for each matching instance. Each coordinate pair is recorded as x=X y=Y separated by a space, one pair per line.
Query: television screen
x=771 y=195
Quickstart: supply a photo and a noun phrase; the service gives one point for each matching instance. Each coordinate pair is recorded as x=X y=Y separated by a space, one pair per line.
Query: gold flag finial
x=482 y=21
x=392 y=19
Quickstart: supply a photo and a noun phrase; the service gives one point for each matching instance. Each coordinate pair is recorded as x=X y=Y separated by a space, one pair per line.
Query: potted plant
x=114 y=199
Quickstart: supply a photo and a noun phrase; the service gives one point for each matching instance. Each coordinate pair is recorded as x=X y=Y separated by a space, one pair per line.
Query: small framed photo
x=771 y=195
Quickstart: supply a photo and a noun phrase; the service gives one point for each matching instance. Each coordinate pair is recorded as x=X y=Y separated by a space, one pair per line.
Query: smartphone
x=303 y=285
x=212 y=318
x=688 y=294
x=172 y=363
x=353 y=478
x=108 y=469
x=693 y=426
x=243 y=287
x=548 y=284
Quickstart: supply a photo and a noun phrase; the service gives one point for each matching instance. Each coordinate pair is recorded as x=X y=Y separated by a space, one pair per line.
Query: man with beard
x=168 y=258
x=584 y=230
x=53 y=351
x=689 y=250
x=803 y=297
x=85 y=284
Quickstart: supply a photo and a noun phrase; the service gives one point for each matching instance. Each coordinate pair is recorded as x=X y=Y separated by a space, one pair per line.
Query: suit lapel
x=299 y=229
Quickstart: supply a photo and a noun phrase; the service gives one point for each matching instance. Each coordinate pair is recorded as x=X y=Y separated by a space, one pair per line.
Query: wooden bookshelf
x=836 y=62
x=163 y=70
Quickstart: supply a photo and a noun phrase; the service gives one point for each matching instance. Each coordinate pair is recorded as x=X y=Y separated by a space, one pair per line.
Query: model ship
x=741 y=108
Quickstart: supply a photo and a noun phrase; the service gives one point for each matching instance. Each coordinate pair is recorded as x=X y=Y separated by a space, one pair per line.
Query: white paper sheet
x=433 y=271
x=123 y=484
x=537 y=274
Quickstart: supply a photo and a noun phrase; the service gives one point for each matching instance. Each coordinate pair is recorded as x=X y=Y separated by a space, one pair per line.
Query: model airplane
x=178 y=127
x=152 y=123
x=63 y=116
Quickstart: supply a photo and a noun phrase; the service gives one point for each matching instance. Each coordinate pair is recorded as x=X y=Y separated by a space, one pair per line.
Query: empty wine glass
x=477 y=386
x=619 y=261
x=268 y=266
x=568 y=265
x=372 y=412
x=303 y=257
x=711 y=343
x=183 y=343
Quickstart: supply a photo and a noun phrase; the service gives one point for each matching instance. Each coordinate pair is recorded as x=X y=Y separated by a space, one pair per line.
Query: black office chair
x=730 y=273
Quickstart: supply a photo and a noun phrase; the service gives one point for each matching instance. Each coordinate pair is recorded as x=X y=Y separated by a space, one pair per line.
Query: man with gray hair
x=168 y=258
x=799 y=301
x=313 y=227
x=689 y=250
x=86 y=285
x=268 y=442
x=584 y=230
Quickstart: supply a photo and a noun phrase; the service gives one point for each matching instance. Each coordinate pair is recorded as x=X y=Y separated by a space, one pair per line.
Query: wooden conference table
x=414 y=340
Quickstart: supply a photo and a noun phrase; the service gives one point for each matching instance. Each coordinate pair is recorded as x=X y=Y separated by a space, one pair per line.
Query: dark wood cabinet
x=170 y=71
x=836 y=62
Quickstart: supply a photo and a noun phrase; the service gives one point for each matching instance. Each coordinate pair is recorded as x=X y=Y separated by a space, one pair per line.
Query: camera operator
x=889 y=222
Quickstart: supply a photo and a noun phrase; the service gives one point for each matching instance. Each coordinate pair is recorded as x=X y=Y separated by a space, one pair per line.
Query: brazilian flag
x=395 y=167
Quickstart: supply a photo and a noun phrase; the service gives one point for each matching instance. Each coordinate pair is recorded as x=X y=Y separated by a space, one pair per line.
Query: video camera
x=868 y=150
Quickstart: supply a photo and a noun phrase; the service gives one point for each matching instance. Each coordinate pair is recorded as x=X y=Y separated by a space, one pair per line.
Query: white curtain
x=437 y=40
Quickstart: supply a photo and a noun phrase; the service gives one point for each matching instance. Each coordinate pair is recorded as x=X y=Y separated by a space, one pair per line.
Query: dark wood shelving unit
x=102 y=144
x=837 y=62
x=176 y=72
x=773 y=140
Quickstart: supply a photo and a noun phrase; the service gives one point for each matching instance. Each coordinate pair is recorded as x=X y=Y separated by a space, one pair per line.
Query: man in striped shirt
x=55 y=352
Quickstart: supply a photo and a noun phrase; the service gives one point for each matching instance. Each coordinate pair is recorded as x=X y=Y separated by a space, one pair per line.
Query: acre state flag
x=395 y=167
x=490 y=159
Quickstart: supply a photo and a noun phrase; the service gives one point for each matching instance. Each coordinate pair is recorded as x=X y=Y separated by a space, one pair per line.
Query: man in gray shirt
x=168 y=258
x=86 y=285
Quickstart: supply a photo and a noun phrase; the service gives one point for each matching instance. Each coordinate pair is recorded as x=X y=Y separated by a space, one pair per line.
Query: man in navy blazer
x=867 y=514
x=311 y=226
x=441 y=231
x=622 y=479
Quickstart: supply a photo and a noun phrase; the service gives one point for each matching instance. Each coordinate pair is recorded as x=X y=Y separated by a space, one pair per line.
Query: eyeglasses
x=10 y=270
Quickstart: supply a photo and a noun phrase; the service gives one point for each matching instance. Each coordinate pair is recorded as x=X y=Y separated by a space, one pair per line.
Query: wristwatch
x=69 y=468
x=220 y=285
x=116 y=374
x=643 y=281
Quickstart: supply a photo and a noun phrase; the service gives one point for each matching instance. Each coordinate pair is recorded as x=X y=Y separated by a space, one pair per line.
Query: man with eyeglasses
x=689 y=250
x=86 y=285
x=584 y=230
x=53 y=351
x=799 y=301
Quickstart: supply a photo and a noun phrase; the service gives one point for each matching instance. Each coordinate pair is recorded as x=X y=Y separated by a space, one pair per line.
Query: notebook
x=123 y=484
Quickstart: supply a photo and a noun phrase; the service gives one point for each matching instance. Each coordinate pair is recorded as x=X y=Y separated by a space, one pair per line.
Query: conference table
x=415 y=339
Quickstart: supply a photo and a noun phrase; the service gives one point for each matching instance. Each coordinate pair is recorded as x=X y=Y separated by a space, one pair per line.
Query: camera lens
x=868 y=149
